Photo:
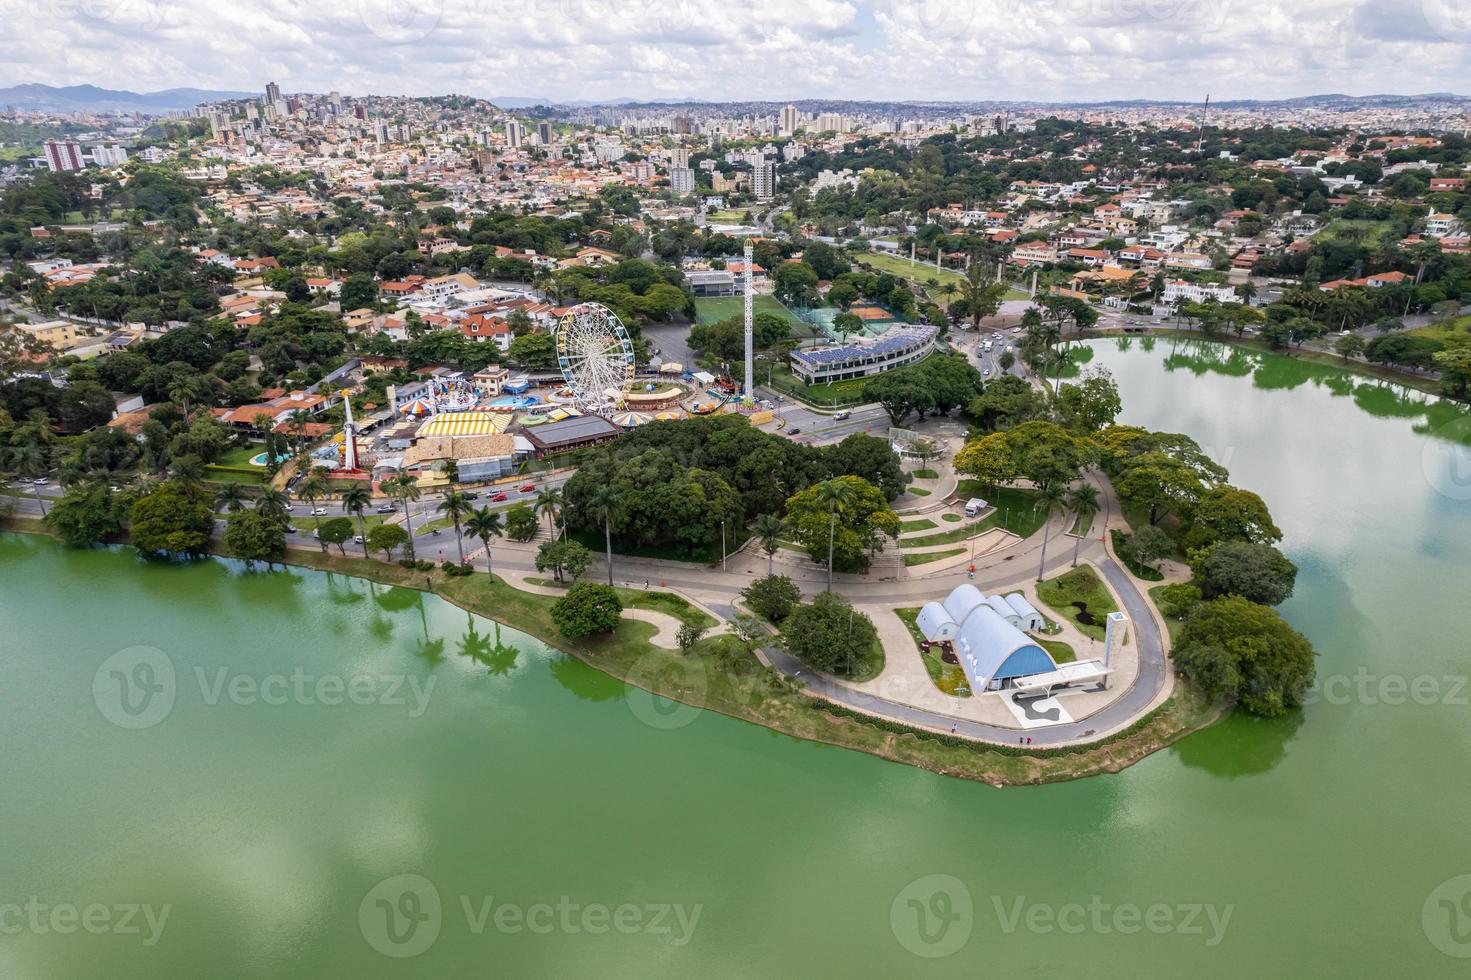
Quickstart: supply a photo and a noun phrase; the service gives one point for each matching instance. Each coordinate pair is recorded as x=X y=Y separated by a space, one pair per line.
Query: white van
x=974 y=506
x=840 y=416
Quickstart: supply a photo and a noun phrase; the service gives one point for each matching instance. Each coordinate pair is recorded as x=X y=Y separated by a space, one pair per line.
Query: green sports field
x=717 y=308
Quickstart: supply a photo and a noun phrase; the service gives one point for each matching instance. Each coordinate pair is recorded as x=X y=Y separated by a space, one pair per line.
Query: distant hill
x=90 y=98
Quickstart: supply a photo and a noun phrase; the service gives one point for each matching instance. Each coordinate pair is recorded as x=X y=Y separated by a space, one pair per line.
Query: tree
x=1349 y=346
x=166 y=522
x=252 y=536
x=405 y=489
x=825 y=634
x=355 y=500
x=336 y=531
x=1083 y=501
x=871 y=458
x=606 y=504
x=359 y=292
x=1149 y=544
x=1161 y=483
x=795 y=284
x=563 y=557
x=1227 y=513
x=1237 y=650
x=749 y=630
x=521 y=522
x=386 y=538
x=772 y=597
x=1179 y=599
x=485 y=524
x=1091 y=404
x=534 y=351
x=312 y=489
x=1049 y=500
x=456 y=507
x=86 y=516
x=769 y=528
x=981 y=296
x=687 y=636
x=230 y=497
x=549 y=501
x=587 y=609
x=188 y=473
x=1257 y=572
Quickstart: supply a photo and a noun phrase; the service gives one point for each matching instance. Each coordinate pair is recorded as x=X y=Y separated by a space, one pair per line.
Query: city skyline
x=890 y=50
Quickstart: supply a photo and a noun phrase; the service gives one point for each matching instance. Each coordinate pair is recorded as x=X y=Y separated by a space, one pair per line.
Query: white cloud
x=762 y=49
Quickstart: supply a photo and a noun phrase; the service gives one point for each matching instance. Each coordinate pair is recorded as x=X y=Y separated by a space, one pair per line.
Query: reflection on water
x=1240 y=745
x=1377 y=397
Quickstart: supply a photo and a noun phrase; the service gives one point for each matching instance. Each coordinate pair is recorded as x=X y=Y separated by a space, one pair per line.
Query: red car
x=528 y=488
x=500 y=498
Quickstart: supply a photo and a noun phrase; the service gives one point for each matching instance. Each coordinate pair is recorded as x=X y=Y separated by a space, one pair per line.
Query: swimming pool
x=514 y=402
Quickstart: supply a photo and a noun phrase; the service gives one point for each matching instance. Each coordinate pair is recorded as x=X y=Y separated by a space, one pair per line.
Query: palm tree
x=312 y=489
x=188 y=473
x=405 y=489
x=181 y=390
x=298 y=421
x=549 y=502
x=1049 y=501
x=485 y=524
x=606 y=504
x=356 y=499
x=769 y=528
x=1083 y=500
x=230 y=496
x=456 y=507
x=273 y=503
x=834 y=494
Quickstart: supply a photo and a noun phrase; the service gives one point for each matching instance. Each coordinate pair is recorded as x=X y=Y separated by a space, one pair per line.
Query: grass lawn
x=1079 y=585
x=945 y=537
x=1082 y=525
x=213 y=474
x=1016 y=510
x=1061 y=652
x=716 y=308
x=839 y=393
x=240 y=456
x=729 y=216
x=949 y=678
x=925 y=475
x=665 y=602
x=918 y=491
x=952 y=518
x=918 y=525
x=926 y=557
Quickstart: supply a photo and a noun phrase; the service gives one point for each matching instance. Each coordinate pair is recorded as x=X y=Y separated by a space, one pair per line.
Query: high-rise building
x=109 y=156
x=788 y=120
x=681 y=180
x=515 y=133
x=544 y=133
x=831 y=122
x=763 y=181
x=273 y=93
x=679 y=157
x=63 y=155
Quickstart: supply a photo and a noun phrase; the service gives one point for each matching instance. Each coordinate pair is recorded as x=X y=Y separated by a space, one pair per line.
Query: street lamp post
x=722 y=546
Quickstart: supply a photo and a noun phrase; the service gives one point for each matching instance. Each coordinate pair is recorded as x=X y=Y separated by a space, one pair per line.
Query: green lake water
x=550 y=831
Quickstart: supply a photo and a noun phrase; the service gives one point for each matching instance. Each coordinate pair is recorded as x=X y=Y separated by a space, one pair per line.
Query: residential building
x=63 y=156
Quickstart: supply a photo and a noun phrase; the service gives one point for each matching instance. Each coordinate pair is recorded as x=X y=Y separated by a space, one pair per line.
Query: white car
x=319 y=512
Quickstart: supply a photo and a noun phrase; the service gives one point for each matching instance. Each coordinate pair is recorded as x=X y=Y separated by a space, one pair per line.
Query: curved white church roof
x=962 y=600
x=990 y=648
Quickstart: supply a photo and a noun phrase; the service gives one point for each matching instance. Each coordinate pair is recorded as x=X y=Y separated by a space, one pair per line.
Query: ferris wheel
x=595 y=356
